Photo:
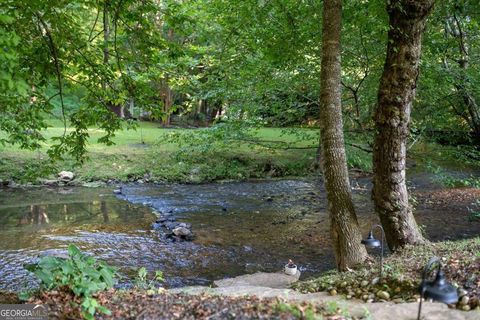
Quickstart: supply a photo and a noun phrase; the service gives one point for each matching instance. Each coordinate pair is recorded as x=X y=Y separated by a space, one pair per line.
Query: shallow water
x=240 y=227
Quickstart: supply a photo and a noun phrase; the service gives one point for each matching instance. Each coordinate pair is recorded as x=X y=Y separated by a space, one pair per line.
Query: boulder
x=182 y=232
x=50 y=183
x=65 y=176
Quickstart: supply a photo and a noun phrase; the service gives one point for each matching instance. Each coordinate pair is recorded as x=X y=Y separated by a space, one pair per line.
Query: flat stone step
x=277 y=280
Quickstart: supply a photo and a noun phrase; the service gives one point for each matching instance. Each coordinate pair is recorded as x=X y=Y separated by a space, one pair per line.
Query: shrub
x=81 y=274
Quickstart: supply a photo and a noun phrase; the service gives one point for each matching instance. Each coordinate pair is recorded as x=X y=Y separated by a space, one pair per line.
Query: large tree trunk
x=392 y=118
x=344 y=227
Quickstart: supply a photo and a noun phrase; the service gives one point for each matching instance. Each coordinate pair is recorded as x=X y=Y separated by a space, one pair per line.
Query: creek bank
x=277 y=285
x=400 y=282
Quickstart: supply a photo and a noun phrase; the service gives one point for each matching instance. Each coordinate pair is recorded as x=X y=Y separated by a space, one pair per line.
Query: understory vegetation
x=80 y=286
x=79 y=274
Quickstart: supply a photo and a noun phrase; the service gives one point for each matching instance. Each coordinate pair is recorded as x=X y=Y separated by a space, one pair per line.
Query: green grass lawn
x=146 y=153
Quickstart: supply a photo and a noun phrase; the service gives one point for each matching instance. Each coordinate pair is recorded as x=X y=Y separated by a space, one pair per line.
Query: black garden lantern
x=372 y=242
x=438 y=289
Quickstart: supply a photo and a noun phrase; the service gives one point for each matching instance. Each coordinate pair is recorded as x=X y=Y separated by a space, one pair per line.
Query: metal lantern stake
x=438 y=289
x=372 y=242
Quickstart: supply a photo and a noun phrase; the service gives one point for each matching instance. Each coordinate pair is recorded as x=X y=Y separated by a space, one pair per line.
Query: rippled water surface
x=239 y=228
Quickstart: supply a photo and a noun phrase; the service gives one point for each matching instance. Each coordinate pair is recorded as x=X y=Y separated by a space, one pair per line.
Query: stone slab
x=277 y=280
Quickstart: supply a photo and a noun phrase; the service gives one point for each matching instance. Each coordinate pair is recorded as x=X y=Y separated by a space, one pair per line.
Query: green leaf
x=73 y=250
x=45 y=276
x=107 y=277
x=104 y=310
x=67 y=267
x=142 y=273
x=49 y=262
x=159 y=275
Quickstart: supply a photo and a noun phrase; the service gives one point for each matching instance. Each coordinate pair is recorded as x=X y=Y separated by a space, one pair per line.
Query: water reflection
x=36 y=215
x=104 y=210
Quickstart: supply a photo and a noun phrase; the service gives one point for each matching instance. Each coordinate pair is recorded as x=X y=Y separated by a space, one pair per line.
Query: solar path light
x=372 y=242
x=438 y=289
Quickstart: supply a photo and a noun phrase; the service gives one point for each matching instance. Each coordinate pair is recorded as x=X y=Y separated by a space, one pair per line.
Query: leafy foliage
x=250 y=62
x=81 y=274
x=150 y=284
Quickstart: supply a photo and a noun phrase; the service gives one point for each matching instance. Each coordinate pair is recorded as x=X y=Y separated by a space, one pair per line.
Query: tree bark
x=344 y=229
x=392 y=118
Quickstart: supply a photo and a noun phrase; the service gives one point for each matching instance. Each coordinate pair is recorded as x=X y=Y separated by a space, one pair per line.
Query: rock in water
x=182 y=232
x=65 y=176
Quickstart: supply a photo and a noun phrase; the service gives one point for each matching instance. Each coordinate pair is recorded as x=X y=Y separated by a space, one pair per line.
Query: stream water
x=239 y=227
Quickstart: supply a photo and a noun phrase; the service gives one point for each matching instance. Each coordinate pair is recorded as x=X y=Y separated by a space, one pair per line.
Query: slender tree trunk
x=392 y=118
x=106 y=36
x=344 y=227
x=119 y=110
x=455 y=29
x=167 y=99
x=166 y=91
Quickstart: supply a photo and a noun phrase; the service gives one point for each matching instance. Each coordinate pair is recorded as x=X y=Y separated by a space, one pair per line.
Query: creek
x=239 y=227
